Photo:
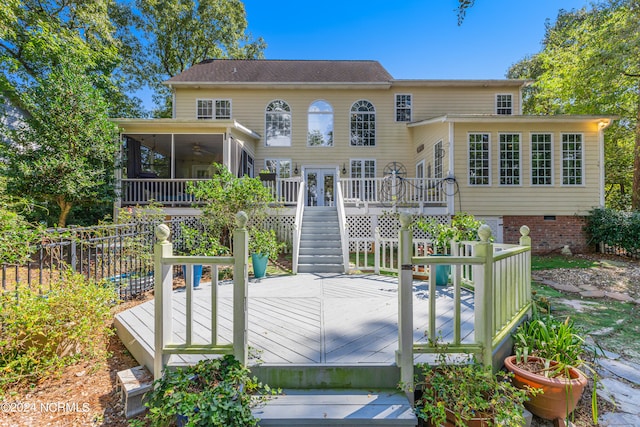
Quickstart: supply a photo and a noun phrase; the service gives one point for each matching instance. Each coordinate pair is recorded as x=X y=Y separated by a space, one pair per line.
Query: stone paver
x=614 y=419
x=623 y=395
x=618 y=296
x=627 y=370
x=592 y=294
x=589 y=288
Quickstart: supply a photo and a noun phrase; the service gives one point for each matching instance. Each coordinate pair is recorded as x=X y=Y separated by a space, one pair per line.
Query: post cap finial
x=162 y=233
x=241 y=219
x=524 y=230
x=405 y=219
x=484 y=232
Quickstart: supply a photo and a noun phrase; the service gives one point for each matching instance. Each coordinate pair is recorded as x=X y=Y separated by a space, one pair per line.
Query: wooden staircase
x=320 y=241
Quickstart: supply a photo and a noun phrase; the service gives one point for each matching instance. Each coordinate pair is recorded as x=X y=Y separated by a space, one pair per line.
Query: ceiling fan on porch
x=198 y=150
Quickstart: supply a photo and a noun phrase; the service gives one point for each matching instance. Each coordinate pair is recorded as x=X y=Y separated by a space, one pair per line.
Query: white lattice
x=283 y=226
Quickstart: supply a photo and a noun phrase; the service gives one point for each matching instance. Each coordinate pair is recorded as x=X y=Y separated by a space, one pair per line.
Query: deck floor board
x=309 y=318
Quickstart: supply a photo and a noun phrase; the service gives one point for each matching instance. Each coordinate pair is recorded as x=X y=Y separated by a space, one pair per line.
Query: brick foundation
x=550 y=234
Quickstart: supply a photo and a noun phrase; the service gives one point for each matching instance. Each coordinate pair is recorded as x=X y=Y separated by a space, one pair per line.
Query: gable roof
x=263 y=71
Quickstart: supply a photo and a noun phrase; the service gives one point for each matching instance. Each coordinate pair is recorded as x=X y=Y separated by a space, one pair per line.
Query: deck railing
x=166 y=191
x=501 y=279
x=344 y=229
x=396 y=190
x=297 y=229
x=164 y=260
x=285 y=190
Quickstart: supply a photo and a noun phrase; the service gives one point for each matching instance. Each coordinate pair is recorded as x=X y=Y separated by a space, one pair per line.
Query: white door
x=321 y=185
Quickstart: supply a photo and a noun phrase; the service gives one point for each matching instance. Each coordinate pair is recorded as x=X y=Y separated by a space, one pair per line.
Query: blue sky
x=412 y=39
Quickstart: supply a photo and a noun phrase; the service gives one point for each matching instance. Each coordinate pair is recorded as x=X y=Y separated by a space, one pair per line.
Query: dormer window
x=504 y=104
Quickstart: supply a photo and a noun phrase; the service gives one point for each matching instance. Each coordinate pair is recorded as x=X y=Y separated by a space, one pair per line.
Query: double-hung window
x=438 y=155
x=219 y=109
x=281 y=167
x=278 y=124
x=363 y=123
x=403 y=107
x=541 y=159
x=479 y=160
x=504 y=103
x=509 y=158
x=572 y=164
x=363 y=173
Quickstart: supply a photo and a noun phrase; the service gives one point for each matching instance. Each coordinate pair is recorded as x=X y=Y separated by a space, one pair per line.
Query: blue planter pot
x=197 y=274
x=259 y=262
x=442 y=272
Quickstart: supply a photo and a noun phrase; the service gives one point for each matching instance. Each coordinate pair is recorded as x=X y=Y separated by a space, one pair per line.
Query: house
x=354 y=138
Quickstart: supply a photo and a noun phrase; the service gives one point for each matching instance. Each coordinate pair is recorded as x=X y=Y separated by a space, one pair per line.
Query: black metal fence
x=120 y=255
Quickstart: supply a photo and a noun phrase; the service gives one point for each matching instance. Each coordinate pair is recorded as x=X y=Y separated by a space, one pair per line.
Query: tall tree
x=64 y=151
x=590 y=64
x=181 y=33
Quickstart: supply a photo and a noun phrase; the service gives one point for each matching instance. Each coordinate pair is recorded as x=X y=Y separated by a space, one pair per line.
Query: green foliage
x=42 y=333
x=264 y=242
x=196 y=242
x=224 y=196
x=468 y=390
x=64 y=153
x=214 y=392
x=17 y=238
x=182 y=33
x=463 y=227
x=588 y=65
x=614 y=228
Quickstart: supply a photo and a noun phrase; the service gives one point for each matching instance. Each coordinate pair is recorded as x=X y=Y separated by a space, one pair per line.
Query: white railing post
x=376 y=250
x=163 y=288
x=344 y=228
x=525 y=240
x=297 y=227
x=483 y=277
x=404 y=356
x=240 y=289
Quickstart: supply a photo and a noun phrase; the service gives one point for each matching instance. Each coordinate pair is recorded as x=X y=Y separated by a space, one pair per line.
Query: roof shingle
x=283 y=71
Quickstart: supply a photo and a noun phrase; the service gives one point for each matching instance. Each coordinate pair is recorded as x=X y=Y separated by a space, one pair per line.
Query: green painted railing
x=165 y=344
x=500 y=276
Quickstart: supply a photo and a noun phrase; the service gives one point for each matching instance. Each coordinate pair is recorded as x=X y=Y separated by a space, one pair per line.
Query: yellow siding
x=393 y=141
x=526 y=199
x=428 y=136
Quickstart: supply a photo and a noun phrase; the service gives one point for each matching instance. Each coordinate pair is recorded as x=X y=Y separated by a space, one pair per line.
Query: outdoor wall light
x=344 y=169
x=295 y=170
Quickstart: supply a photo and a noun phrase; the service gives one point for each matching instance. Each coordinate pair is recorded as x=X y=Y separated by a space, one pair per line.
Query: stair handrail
x=297 y=227
x=344 y=228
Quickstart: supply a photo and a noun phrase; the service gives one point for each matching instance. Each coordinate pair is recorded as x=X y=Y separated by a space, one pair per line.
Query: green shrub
x=17 y=238
x=42 y=333
x=614 y=228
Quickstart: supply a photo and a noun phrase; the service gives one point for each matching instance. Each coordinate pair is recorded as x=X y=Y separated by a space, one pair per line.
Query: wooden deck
x=306 y=319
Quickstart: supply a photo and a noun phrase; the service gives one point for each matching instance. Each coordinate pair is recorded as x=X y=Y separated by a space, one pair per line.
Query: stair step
x=133 y=384
x=320 y=244
x=320 y=268
x=354 y=408
x=316 y=237
x=337 y=250
x=320 y=259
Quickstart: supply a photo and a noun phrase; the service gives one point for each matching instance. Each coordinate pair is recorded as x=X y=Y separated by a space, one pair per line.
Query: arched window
x=320 y=125
x=363 y=123
x=278 y=124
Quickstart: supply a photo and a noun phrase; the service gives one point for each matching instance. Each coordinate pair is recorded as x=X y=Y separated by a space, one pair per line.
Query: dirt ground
x=85 y=393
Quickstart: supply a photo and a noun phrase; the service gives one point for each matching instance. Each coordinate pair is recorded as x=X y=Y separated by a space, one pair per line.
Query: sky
x=412 y=39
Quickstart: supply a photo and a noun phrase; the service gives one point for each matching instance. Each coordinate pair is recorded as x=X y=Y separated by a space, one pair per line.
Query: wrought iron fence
x=120 y=255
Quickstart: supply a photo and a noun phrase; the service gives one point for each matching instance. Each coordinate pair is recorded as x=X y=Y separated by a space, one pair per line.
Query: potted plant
x=192 y=242
x=214 y=392
x=263 y=244
x=467 y=394
x=549 y=355
x=463 y=227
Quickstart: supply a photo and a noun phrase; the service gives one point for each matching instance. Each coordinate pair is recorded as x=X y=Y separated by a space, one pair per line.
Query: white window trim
x=441 y=159
x=265 y=124
x=424 y=170
x=519 y=159
x=230 y=109
x=583 y=183
x=198 y=100
x=490 y=169
x=553 y=158
x=395 y=107
x=332 y=113
x=279 y=160
x=495 y=101
x=375 y=124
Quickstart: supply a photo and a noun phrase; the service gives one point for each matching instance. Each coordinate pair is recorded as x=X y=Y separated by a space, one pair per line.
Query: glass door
x=320 y=187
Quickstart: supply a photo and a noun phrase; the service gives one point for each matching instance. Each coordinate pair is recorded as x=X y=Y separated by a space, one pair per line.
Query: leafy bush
x=213 y=393
x=614 y=228
x=264 y=242
x=42 y=333
x=463 y=227
x=17 y=238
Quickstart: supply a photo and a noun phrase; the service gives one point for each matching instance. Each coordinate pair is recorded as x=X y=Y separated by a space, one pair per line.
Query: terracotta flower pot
x=560 y=395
